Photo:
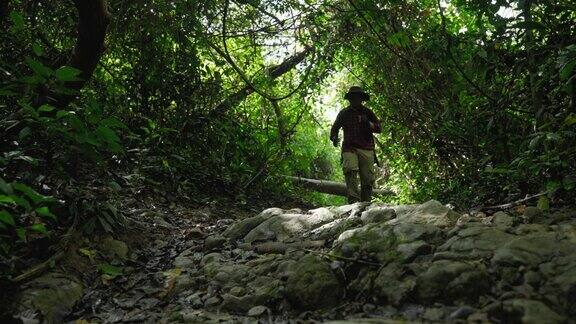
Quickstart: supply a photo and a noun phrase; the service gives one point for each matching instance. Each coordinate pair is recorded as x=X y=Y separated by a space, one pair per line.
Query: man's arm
x=375 y=125
x=335 y=129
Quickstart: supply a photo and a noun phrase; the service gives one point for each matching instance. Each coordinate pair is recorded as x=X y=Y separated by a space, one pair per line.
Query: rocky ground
x=361 y=262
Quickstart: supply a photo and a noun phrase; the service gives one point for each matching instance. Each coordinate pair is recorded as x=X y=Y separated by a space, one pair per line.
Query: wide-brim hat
x=357 y=91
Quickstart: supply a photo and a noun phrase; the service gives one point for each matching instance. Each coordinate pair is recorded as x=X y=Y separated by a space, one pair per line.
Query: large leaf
x=6 y=218
x=32 y=194
x=17 y=20
x=68 y=73
x=38 y=68
x=7 y=199
x=45 y=212
x=5 y=187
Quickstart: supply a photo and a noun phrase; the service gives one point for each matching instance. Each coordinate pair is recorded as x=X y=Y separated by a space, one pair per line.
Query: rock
x=532 y=278
x=478 y=241
x=375 y=240
x=502 y=220
x=195 y=233
x=462 y=312
x=234 y=304
x=414 y=232
x=259 y=310
x=566 y=281
x=185 y=260
x=184 y=282
x=214 y=242
x=531 y=214
x=431 y=212
x=158 y=220
x=392 y=285
x=532 y=249
x=409 y=251
x=241 y=305
x=211 y=258
x=240 y=229
x=529 y=311
x=53 y=295
x=114 y=248
x=448 y=281
x=313 y=285
x=238 y=291
x=434 y=314
x=284 y=226
x=212 y=301
x=377 y=214
x=335 y=228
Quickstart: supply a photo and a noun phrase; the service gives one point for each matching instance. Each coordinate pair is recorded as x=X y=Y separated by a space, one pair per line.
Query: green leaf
x=37 y=48
x=570 y=120
x=17 y=19
x=543 y=203
x=38 y=68
x=24 y=133
x=567 y=70
x=5 y=187
x=21 y=232
x=22 y=202
x=7 y=218
x=107 y=134
x=553 y=185
x=39 y=228
x=45 y=212
x=46 y=108
x=7 y=199
x=32 y=194
x=110 y=270
x=67 y=73
x=113 y=122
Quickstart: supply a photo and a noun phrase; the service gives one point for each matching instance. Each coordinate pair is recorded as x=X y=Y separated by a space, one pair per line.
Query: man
x=358 y=123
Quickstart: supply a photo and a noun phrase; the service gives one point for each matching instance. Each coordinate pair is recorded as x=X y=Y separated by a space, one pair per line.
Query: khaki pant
x=354 y=163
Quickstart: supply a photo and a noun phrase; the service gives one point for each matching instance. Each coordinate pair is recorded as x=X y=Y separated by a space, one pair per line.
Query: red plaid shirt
x=357 y=131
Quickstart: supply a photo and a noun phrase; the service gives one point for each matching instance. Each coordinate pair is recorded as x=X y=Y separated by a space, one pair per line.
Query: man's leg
x=350 y=169
x=366 y=168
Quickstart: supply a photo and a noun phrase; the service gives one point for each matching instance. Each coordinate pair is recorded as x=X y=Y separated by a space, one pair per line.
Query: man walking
x=358 y=123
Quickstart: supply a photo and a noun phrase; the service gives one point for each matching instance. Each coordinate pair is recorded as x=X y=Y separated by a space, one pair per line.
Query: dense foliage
x=220 y=98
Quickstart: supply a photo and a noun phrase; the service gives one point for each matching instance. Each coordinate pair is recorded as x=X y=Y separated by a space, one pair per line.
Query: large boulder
x=430 y=212
x=377 y=214
x=533 y=249
x=285 y=226
x=474 y=242
x=527 y=311
x=452 y=280
x=313 y=285
x=243 y=227
x=393 y=284
x=52 y=295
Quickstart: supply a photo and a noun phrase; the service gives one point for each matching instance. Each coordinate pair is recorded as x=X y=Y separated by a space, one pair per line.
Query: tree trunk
x=331 y=187
x=92 y=26
x=280 y=122
x=3 y=11
x=532 y=68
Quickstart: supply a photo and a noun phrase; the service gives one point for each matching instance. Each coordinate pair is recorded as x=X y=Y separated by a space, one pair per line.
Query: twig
x=514 y=203
x=38 y=269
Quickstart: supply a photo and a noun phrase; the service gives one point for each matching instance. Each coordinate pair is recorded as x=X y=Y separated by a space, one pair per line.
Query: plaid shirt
x=357 y=130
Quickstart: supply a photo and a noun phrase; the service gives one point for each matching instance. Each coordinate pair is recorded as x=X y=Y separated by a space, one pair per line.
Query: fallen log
x=331 y=187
